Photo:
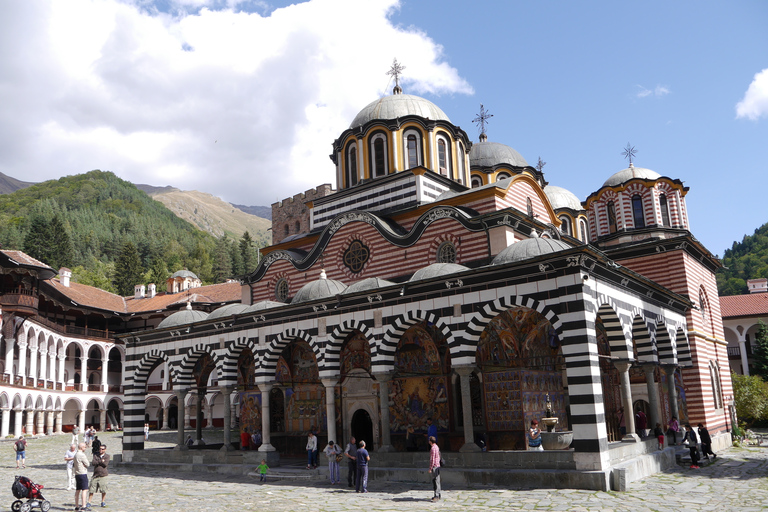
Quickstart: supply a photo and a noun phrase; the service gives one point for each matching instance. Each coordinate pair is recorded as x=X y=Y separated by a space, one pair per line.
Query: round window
x=356 y=256
x=281 y=290
x=446 y=253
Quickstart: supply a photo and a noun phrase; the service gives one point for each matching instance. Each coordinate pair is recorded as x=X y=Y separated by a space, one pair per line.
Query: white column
x=48 y=423
x=43 y=367
x=82 y=421
x=30 y=421
x=226 y=391
x=102 y=420
x=58 y=421
x=33 y=365
x=266 y=436
x=17 y=422
x=52 y=367
x=40 y=423
x=330 y=409
x=104 y=372
x=626 y=400
x=743 y=354
x=6 y=424
x=9 y=343
x=122 y=373
x=208 y=414
x=395 y=163
x=431 y=152
x=84 y=375
x=21 y=370
x=360 y=160
x=466 y=409
x=61 y=371
x=166 y=380
x=383 y=379
x=165 y=419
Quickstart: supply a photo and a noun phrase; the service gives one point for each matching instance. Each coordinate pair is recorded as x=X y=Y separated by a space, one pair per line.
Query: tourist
x=674 y=428
x=81 y=477
x=641 y=422
x=245 y=439
x=362 y=468
x=692 y=441
x=87 y=436
x=76 y=435
x=706 y=442
x=100 y=474
x=21 y=451
x=333 y=452
x=146 y=431
x=189 y=442
x=434 y=467
x=622 y=422
x=431 y=429
x=534 y=436
x=659 y=433
x=96 y=444
x=316 y=453
x=311 y=447
x=410 y=439
x=351 y=453
x=262 y=470
x=69 y=458
x=256 y=440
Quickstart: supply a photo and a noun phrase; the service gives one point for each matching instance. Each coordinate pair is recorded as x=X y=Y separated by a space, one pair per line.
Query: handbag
x=339 y=457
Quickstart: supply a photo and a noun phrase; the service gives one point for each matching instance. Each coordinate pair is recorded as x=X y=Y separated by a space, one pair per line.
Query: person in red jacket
x=245 y=439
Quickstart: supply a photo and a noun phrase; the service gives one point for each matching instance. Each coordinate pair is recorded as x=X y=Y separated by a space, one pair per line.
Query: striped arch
x=491 y=310
x=141 y=371
x=185 y=377
x=337 y=337
x=228 y=373
x=683 y=349
x=266 y=370
x=666 y=349
x=613 y=329
x=384 y=358
x=641 y=337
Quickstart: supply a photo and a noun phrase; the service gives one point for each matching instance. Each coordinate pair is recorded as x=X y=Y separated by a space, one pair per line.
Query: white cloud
x=658 y=91
x=754 y=105
x=238 y=104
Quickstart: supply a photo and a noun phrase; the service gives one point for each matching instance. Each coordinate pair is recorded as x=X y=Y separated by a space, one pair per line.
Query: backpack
x=19 y=490
x=20 y=446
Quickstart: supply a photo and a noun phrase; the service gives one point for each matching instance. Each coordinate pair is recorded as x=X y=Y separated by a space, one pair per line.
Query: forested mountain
x=90 y=221
x=8 y=184
x=745 y=260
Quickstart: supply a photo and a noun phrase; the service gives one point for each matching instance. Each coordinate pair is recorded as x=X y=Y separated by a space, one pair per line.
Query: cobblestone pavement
x=735 y=482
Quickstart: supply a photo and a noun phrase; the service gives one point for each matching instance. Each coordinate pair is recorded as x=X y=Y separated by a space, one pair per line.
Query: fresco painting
x=250 y=411
x=414 y=399
x=356 y=353
x=305 y=408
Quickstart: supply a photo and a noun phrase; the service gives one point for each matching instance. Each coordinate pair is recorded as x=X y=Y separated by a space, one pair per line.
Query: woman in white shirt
x=333 y=452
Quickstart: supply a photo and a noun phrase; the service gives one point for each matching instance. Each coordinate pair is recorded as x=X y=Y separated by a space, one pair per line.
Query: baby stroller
x=23 y=488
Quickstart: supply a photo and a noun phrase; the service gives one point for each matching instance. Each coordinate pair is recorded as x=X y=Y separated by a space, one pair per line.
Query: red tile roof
x=752 y=304
x=25 y=259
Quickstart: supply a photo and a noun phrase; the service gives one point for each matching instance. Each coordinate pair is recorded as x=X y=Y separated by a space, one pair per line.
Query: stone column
x=266 y=438
x=9 y=343
x=232 y=413
x=43 y=359
x=52 y=366
x=82 y=420
x=181 y=418
x=33 y=365
x=166 y=380
x=58 y=421
x=187 y=420
x=209 y=415
x=40 y=422
x=626 y=400
x=122 y=374
x=102 y=420
x=330 y=409
x=6 y=424
x=653 y=394
x=165 y=418
x=62 y=360
x=226 y=392
x=743 y=354
x=22 y=369
x=386 y=442
x=669 y=370
x=466 y=409
x=17 y=422
x=104 y=372
x=84 y=373
x=30 y=421
x=49 y=423
x=199 y=417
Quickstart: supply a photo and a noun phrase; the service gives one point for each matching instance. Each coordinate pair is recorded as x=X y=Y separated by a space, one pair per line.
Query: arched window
x=379 y=155
x=446 y=253
x=664 y=210
x=565 y=227
x=413 y=149
x=444 y=157
x=460 y=160
x=611 y=217
x=351 y=165
x=477 y=181
x=502 y=176
x=583 y=231
x=529 y=206
x=637 y=211
x=298 y=226
x=282 y=290
x=287 y=230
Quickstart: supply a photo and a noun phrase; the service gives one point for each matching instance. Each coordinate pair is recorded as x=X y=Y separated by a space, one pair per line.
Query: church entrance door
x=362 y=428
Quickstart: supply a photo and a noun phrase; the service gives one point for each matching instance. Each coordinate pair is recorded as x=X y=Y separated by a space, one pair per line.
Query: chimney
x=64 y=275
x=138 y=291
x=758 y=285
x=151 y=290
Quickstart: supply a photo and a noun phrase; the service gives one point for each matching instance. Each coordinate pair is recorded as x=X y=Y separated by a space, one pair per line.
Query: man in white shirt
x=69 y=457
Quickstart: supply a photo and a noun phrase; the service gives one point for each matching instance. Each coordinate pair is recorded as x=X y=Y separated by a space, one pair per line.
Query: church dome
x=262 y=305
x=184 y=317
x=184 y=273
x=399 y=105
x=436 y=270
x=370 y=283
x=562 y=198
x=228 y=310
x=490 y=154
x=319 y=289
x=529 y=248
x=631 y=173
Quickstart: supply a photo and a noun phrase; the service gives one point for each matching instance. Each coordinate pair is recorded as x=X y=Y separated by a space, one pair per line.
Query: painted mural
x=305 y=408
x=609 y=377
x=420 y=390
x=246 y=370
x=515 y=397
x=297 y=363
x=250 y=411
x=356 y=353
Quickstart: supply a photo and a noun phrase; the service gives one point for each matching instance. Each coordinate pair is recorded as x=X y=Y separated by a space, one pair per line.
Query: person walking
x=333 y=451
x=706 y=442
x=245 y=439
x=674 y=428
x=81 y=478
x=95 y=445
x=146 y=431
x=362 y=468
x=693 y=441
x=21 y=451
x=350 y=452
x=75 y=435
x=262 y=470
x=434 y=467
x=69 y=457
x=100 y=464
x=311 y=447
x=534 y=437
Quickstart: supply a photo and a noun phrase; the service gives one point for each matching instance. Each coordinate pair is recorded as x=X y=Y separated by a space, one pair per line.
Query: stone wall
x=291 y=216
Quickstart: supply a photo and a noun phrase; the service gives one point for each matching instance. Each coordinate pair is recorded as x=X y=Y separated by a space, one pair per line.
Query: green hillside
x=88 y=222
x=745 y=260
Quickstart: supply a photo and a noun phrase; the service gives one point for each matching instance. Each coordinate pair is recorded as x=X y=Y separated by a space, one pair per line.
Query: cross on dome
x=482 y=120
x=395 y=71
x=629 y=152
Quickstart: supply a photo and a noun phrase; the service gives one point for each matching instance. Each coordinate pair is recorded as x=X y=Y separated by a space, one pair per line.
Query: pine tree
x=36 y=241
x=128 y=271
x=760 y=352
x=59 y=244
x=222 y=260
x=247 y=253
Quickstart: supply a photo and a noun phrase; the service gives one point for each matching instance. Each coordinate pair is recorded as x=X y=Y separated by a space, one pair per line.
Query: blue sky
x=243 y=99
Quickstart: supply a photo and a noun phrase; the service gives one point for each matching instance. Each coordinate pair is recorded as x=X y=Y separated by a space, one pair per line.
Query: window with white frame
x=351 y=164
x=460 y=160
x=583 y=231
x=413 y=154
x=565 y=227
x=444 y=156
x=611 y=210
x=637 y=211
x=477 y=181
x=379 y=155
x=664 y=206
x=502 y=176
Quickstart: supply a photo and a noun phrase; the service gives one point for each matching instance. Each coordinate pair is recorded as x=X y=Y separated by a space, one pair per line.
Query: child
x=659 y=433
x=262 y=469
x=534 y=437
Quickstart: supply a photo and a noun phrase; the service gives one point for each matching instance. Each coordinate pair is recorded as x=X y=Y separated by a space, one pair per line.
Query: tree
x=222 y=267
x=128 y=271
x=760 y=352
x=247 y=253
x=750 y=394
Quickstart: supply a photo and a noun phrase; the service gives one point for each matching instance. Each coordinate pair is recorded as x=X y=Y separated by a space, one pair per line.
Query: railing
x=734 y=351
x=19 y=300
x=5 y=378
x=115 y=389
x=86 y=332
x=155 y=387
x=94 y=387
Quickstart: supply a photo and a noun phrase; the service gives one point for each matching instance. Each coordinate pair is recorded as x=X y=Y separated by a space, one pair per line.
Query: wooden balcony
x=19 y=301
